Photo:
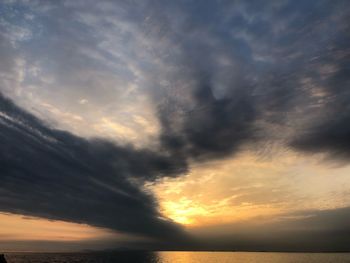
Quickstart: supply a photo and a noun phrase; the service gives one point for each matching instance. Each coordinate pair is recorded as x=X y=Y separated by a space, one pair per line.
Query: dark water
x=178 y=257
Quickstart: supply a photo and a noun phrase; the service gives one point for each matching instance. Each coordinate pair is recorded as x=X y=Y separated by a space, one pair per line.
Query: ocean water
x=178 y=257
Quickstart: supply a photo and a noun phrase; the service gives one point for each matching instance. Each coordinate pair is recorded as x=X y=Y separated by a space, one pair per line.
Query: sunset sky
x=174 y=125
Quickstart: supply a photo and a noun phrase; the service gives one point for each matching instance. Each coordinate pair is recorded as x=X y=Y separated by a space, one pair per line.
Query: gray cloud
x=330 y=131
x=247 y=76
x=219 y=75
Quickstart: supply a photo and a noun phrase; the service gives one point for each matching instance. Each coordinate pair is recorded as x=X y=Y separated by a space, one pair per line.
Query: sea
x=177 y=257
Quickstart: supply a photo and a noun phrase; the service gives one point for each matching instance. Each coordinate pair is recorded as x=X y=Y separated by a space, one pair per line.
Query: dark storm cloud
x=213 y=128
x=247 y=67
x=208 y=109
x=56 y=175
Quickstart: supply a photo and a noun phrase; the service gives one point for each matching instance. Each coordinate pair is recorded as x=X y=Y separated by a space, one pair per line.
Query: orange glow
x=17 y=227
x=246 y=186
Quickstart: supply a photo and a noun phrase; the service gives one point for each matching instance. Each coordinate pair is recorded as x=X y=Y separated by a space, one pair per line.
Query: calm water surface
x=178 y=257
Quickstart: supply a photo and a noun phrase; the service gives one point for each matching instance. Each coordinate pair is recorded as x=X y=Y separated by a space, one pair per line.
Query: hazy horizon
x=175 y=125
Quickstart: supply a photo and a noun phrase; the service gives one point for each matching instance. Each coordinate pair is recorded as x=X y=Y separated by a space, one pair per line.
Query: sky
x=220 y=125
